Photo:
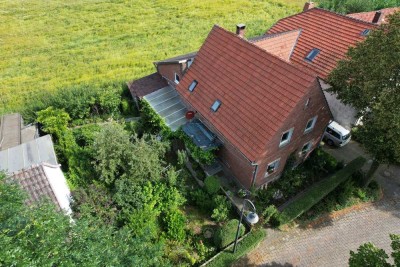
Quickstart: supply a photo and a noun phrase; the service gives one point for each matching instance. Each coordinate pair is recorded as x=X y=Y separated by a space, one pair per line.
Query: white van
x=336 y=134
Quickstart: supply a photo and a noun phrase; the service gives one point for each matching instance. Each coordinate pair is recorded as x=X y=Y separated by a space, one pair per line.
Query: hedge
x=248 y=243
x=227 y=233
x=318 y=191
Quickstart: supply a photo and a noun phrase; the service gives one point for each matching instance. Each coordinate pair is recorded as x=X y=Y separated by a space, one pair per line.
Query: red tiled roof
x=280 y=45
x=369 y=16
x=146 y=85
x=330 y=32
x=35 y=182
x=258 y=90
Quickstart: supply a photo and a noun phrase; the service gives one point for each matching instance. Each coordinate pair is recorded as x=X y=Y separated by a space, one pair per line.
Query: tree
x=369 y=80
x=369 y=255
x=41 y=236
x=118 y=154
x=54 y=121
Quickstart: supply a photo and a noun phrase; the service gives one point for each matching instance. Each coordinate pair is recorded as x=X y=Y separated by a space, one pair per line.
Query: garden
x=125 y=177
x=317 y=187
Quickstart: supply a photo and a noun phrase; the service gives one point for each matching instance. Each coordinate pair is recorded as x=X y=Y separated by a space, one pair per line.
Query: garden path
x=329 y=243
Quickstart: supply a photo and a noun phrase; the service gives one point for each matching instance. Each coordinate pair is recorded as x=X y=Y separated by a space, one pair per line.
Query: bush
x=174 y=224
x=317 y=192
x=276 y=219
x=212 y=185
x=268 y=213
x=248 y=243
x=227 y=233
x=221 y=209
x=201 y=199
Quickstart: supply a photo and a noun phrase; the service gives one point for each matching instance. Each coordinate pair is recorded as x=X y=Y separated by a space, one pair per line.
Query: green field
x=48 y=45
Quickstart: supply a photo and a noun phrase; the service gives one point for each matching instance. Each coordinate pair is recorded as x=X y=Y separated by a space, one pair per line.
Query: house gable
x=331 y=33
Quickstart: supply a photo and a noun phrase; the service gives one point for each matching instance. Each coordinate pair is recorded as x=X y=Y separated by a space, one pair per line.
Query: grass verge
x=318 y=191
x=226 y=257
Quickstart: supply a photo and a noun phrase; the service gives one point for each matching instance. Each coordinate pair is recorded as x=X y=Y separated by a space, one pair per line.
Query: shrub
x=276 y=219
x=221 y=208
x=174 y=224
x=201 y=199
x=226 y=258
x=227 y=233
x=212 y=185
x=268 y=213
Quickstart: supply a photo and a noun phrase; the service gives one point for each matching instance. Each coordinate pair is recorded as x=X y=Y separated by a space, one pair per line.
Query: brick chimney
x=308 y=6
x=377 y=17
x=240 y=29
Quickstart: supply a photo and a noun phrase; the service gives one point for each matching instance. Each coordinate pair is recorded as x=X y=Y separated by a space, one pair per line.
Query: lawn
x=48 y=45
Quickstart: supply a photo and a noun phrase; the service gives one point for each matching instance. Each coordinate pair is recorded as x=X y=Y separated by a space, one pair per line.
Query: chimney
x=240 y=29
x=377 y=17
x=308 y=6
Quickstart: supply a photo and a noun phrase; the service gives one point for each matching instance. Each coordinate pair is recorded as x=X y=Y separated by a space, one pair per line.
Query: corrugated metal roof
x=25 y=155
x=167 y=103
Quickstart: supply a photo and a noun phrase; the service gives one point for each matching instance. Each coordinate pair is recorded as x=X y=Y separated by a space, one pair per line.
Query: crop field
x=52 y=45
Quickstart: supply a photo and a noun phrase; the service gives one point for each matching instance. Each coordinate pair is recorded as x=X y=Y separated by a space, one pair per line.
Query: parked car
x=336 y=135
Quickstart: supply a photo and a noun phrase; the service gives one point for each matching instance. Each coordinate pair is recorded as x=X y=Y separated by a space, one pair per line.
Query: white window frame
x=189 y=62
x=175 y=78
x=287 y=141
x=304 y=152
x=276 y=166
x=313 y=120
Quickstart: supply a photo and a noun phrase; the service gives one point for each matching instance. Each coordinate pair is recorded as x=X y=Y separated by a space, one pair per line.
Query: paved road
x=329 y=244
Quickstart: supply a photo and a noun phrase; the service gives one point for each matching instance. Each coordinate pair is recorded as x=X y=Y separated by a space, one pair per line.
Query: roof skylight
x=216 y=105
x=192 y=85
x=313 y=53
x=365 y=32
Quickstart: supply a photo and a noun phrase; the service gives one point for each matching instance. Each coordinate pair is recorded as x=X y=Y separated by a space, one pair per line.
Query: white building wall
x=345 y=115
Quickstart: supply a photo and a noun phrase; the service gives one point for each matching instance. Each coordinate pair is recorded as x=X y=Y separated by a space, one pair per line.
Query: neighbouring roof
x=178 y=59
x=281 y=44
x=146 y=85
x=369 y=16
x=44 y=181
x=13 y=133
x=327 y=31
x=25 y=155
x=257 y=90
x=10 y=130
x=167 y=103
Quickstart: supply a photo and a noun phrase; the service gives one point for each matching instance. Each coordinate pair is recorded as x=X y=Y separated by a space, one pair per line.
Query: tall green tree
x=41 y=236
x=118 y=154
x=369 y=80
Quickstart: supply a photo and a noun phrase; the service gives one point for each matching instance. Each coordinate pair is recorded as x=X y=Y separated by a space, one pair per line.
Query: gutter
x=253 y=182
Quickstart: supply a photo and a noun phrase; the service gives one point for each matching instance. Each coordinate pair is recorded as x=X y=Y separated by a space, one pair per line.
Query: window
x=177 y=78
x=272 y=167
x=310 y=124
x=192 y=85
x=189 y=62
x=365 y=32
x=285 y=139
x=313 y=53
x=306 y=148
x=333 y=133
x=216 y=105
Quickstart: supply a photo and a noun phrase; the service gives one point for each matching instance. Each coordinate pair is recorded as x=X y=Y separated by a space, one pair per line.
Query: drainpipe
x=253 y=182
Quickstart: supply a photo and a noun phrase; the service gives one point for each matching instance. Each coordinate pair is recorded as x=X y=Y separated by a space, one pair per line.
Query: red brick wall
x=298 y=119
x=168 y=70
